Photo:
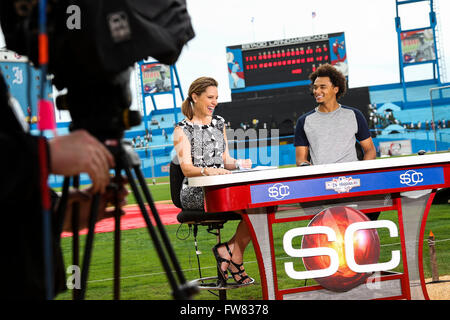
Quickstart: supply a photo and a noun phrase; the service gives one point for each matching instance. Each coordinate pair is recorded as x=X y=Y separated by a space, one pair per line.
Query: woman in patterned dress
x=201 y=145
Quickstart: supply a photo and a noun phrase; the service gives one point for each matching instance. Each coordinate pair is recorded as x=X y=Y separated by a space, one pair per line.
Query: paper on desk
x=257 y=168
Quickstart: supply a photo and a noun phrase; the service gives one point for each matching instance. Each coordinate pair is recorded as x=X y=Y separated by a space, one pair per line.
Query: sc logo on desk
x=411 y=178
x=346 y=255
x=278 y=191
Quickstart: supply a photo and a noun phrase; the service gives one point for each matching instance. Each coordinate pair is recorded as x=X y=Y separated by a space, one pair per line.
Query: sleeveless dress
x=207 y=148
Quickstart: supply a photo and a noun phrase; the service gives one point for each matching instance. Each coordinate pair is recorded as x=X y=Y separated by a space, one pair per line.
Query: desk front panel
x=408 y=191
x=322 y=187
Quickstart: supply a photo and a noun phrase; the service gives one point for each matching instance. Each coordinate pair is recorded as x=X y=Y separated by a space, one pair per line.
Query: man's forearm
x=370 y=155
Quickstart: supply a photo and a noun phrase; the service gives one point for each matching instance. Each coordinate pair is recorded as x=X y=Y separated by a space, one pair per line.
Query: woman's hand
x=215 y=171
x=243 y=164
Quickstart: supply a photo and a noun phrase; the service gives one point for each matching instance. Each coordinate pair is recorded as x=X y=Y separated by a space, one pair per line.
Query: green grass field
x=143 y=278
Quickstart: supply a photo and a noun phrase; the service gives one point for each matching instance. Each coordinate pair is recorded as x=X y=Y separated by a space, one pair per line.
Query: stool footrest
x=213 y=283
x=200 y=216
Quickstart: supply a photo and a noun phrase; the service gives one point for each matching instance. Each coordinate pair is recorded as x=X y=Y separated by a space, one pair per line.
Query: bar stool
x=214 y=223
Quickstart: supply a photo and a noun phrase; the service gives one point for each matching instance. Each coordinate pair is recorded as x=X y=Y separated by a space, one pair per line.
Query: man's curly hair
x=336 y=78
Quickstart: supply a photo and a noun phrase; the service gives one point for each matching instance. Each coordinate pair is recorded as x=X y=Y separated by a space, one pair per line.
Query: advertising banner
x=418 y=46
x=338 y=53
x=156 y=78
x=395 y=148
x=235 y=68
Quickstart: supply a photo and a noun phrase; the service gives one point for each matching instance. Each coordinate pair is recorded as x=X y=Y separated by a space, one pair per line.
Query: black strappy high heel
x=220 y=260
x=239 y=273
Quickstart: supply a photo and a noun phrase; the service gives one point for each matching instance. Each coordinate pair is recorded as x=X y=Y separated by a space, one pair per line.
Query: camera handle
x=128 y=160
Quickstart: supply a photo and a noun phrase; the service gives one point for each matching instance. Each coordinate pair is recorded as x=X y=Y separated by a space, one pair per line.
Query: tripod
x=128 y=160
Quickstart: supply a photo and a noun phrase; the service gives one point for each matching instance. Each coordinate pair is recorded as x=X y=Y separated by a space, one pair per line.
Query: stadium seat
x=194 y=218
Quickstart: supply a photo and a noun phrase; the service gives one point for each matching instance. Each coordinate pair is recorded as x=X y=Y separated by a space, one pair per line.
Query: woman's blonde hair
x=198 y=87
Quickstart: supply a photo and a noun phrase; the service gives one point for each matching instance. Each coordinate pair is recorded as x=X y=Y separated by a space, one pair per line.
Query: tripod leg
x=75 y=235
x=161 y=228
x=117 y=235
x=89 y=244
x=61 y=213
x=48 y=254
x=130 y=160
x=153 y=234
x=117 y=255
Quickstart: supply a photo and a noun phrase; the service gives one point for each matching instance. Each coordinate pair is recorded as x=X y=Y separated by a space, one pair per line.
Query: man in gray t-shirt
x=329 y=132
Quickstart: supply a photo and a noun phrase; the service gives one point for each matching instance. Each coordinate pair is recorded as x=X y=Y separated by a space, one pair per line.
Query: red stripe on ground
x=132 y=219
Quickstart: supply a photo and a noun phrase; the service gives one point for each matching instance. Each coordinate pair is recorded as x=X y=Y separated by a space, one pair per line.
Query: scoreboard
x=284 y=61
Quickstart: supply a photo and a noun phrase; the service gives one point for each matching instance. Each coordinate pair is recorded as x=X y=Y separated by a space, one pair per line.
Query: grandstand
x=157 y=141
x=414 y=118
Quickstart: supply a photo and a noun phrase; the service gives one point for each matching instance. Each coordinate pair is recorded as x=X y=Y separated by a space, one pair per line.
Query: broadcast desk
x=405 y=185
